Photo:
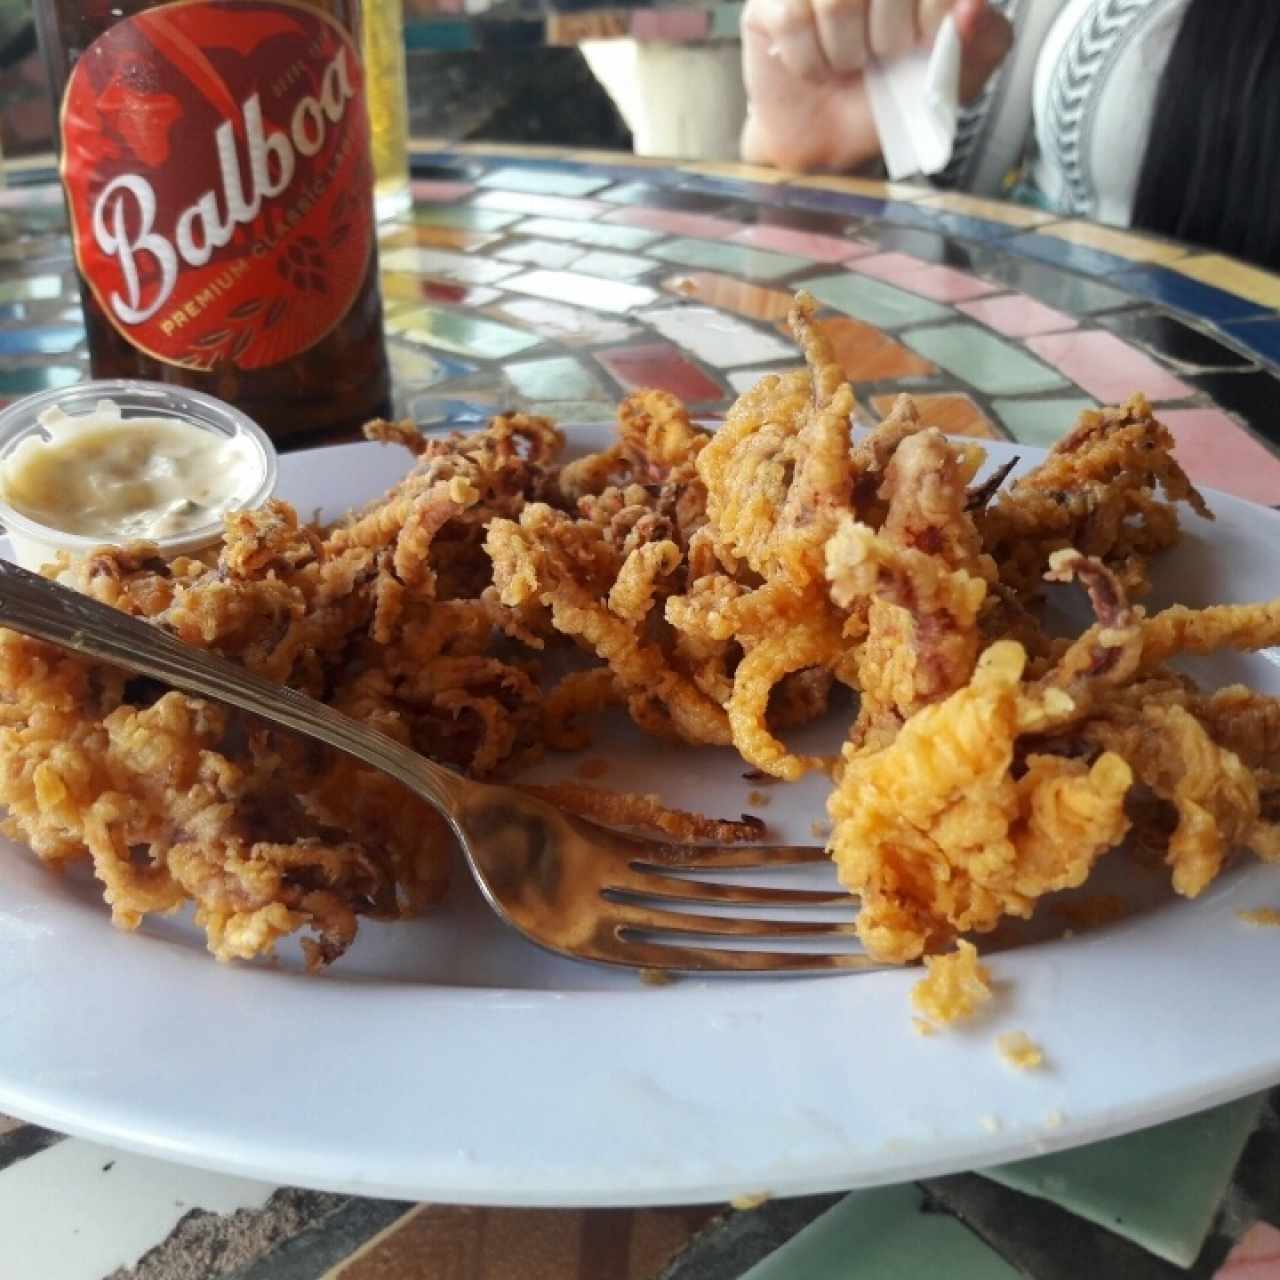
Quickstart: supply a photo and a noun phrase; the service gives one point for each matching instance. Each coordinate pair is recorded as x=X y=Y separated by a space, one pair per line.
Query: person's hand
x=803 y=60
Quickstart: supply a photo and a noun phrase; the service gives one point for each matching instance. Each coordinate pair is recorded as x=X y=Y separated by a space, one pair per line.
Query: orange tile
x=444 y=1242
x=868 y=355
x=955 y=414
x=1015 y=215
x=1123 y=244
x=588 y=155
x=597 y=24
x=729 y=294
x=745 y=172
x=1254 y=283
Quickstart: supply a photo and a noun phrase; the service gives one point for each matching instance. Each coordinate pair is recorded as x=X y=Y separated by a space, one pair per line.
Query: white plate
x=448 y=1060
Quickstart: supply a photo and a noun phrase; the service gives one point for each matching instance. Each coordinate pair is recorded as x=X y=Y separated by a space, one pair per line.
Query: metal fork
x=567 y=884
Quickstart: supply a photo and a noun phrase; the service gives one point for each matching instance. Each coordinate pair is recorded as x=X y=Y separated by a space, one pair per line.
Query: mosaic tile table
x=558 y=282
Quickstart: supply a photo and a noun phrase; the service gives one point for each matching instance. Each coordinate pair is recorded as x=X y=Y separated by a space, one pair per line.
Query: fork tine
x=726 y=857
x=650 y=884
x=631 y=916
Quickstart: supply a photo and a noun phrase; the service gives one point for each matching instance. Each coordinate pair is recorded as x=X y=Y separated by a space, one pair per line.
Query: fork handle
x=38 y=607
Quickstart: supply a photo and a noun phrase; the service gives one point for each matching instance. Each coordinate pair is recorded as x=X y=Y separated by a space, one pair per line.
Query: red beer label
x=216 y=163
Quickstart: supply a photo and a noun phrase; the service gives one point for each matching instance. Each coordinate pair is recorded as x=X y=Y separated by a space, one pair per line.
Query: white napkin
x=915 y=102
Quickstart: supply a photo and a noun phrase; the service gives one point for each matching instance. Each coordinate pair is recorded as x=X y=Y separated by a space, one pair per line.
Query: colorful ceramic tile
x=1255 y=283
x=431 y=411
x=876 y=303
x=738 y=260
x=552 y=254
x=597 y=234
x=28 y=288
x=605 y=160
x=719 y=339
x=1013 y=215
x=542 y=206
x=25 y=382
x=674 y=223
x=658 y=364
x=729 y=294
x=1178 y=344
x=585 y=291
x=457 y=331
x=1218 y=453
x=1070 y=293
x=593 y=24
x=612 y=266
x=1180 y=291
x=819 y=221
x=953 y=413
x=557 y=378
x=464 y=217
x=566 y=324
x=850 y=206
x=726 y=22
x=650 y=196
x=744 y=379
x=1255 y=397
x=1255 y=1257
x=675 y=26
x=568 y=412
x=439 y=36
x=1121 y=244
x=885 y=1234
x=868 y=355
x=429 y=189
x=1262 y=337
x=942 y=284
x=53 y=340
x=548 y=182
x=434 y=238
x=753 y=173
x=450 y=266
x=1065 y=253
x=873 y=187
x=1017 y=316
x=433 y=289
x=415 y=369
x=982 y=360
x=1108 y=368
x=1161 y=1187
x=802 y=244
x=1041 y=422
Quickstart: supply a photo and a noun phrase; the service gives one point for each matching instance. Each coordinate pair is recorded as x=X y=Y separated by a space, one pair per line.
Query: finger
x=929 y=16
x=842 y=32
x=891 y=28
x=986 y=45
x=788 y=26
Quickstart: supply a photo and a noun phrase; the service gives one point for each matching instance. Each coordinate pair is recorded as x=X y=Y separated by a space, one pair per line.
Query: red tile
x=1219 y=453
x=679 y=26
x=1255 y=1257
x=1107 y=367
x=674 y=223
x=942 y=284
x=433 y=189
x=803 y=244
x=1017 y=316
x=661 y=365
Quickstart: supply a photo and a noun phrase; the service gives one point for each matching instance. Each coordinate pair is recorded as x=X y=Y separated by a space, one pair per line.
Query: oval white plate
x=448 y=1060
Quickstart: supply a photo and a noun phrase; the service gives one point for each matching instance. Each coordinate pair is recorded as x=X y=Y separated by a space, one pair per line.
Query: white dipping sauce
x=102 y=475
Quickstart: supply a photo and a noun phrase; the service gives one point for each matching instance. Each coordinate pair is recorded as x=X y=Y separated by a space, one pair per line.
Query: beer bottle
x=216 y=165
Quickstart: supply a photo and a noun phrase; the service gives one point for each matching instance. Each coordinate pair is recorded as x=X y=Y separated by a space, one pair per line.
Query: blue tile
x=738 y=188
x=52 y=341
x=959 y=224
x=838 y=201
x=1062 y=253
x=1188 y=295
x=1262 y=337
x=23 y=382
x=441 y=37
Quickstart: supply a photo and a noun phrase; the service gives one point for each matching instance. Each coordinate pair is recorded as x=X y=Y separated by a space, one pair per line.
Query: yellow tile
x=862 y=186
x=1124 y=244
x=513 y=149
x=1254 y=283
x=616 y=157
x=746 y=172
x=430 y=143
x=1014 y=215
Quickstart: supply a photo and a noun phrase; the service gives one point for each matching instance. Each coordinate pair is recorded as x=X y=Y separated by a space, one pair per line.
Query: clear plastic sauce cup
x=36 y=544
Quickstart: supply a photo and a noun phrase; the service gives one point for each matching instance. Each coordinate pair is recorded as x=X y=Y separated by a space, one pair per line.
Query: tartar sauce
x=102 y=475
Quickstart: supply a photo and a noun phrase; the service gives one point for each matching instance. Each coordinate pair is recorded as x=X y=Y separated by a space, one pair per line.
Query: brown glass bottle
x=215 y=158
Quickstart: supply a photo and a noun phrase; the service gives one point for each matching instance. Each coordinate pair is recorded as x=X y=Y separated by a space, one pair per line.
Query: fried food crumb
x=989 y=1122
x=956 y=986
x=750 y=1200
x=593 y=767
x=820 y=828
x=760 y=777
x=1019 y=1050
x=1055 y=1119
x=759 y=797
x=1261 y=917
x=657 y=977
x=924 y=1027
